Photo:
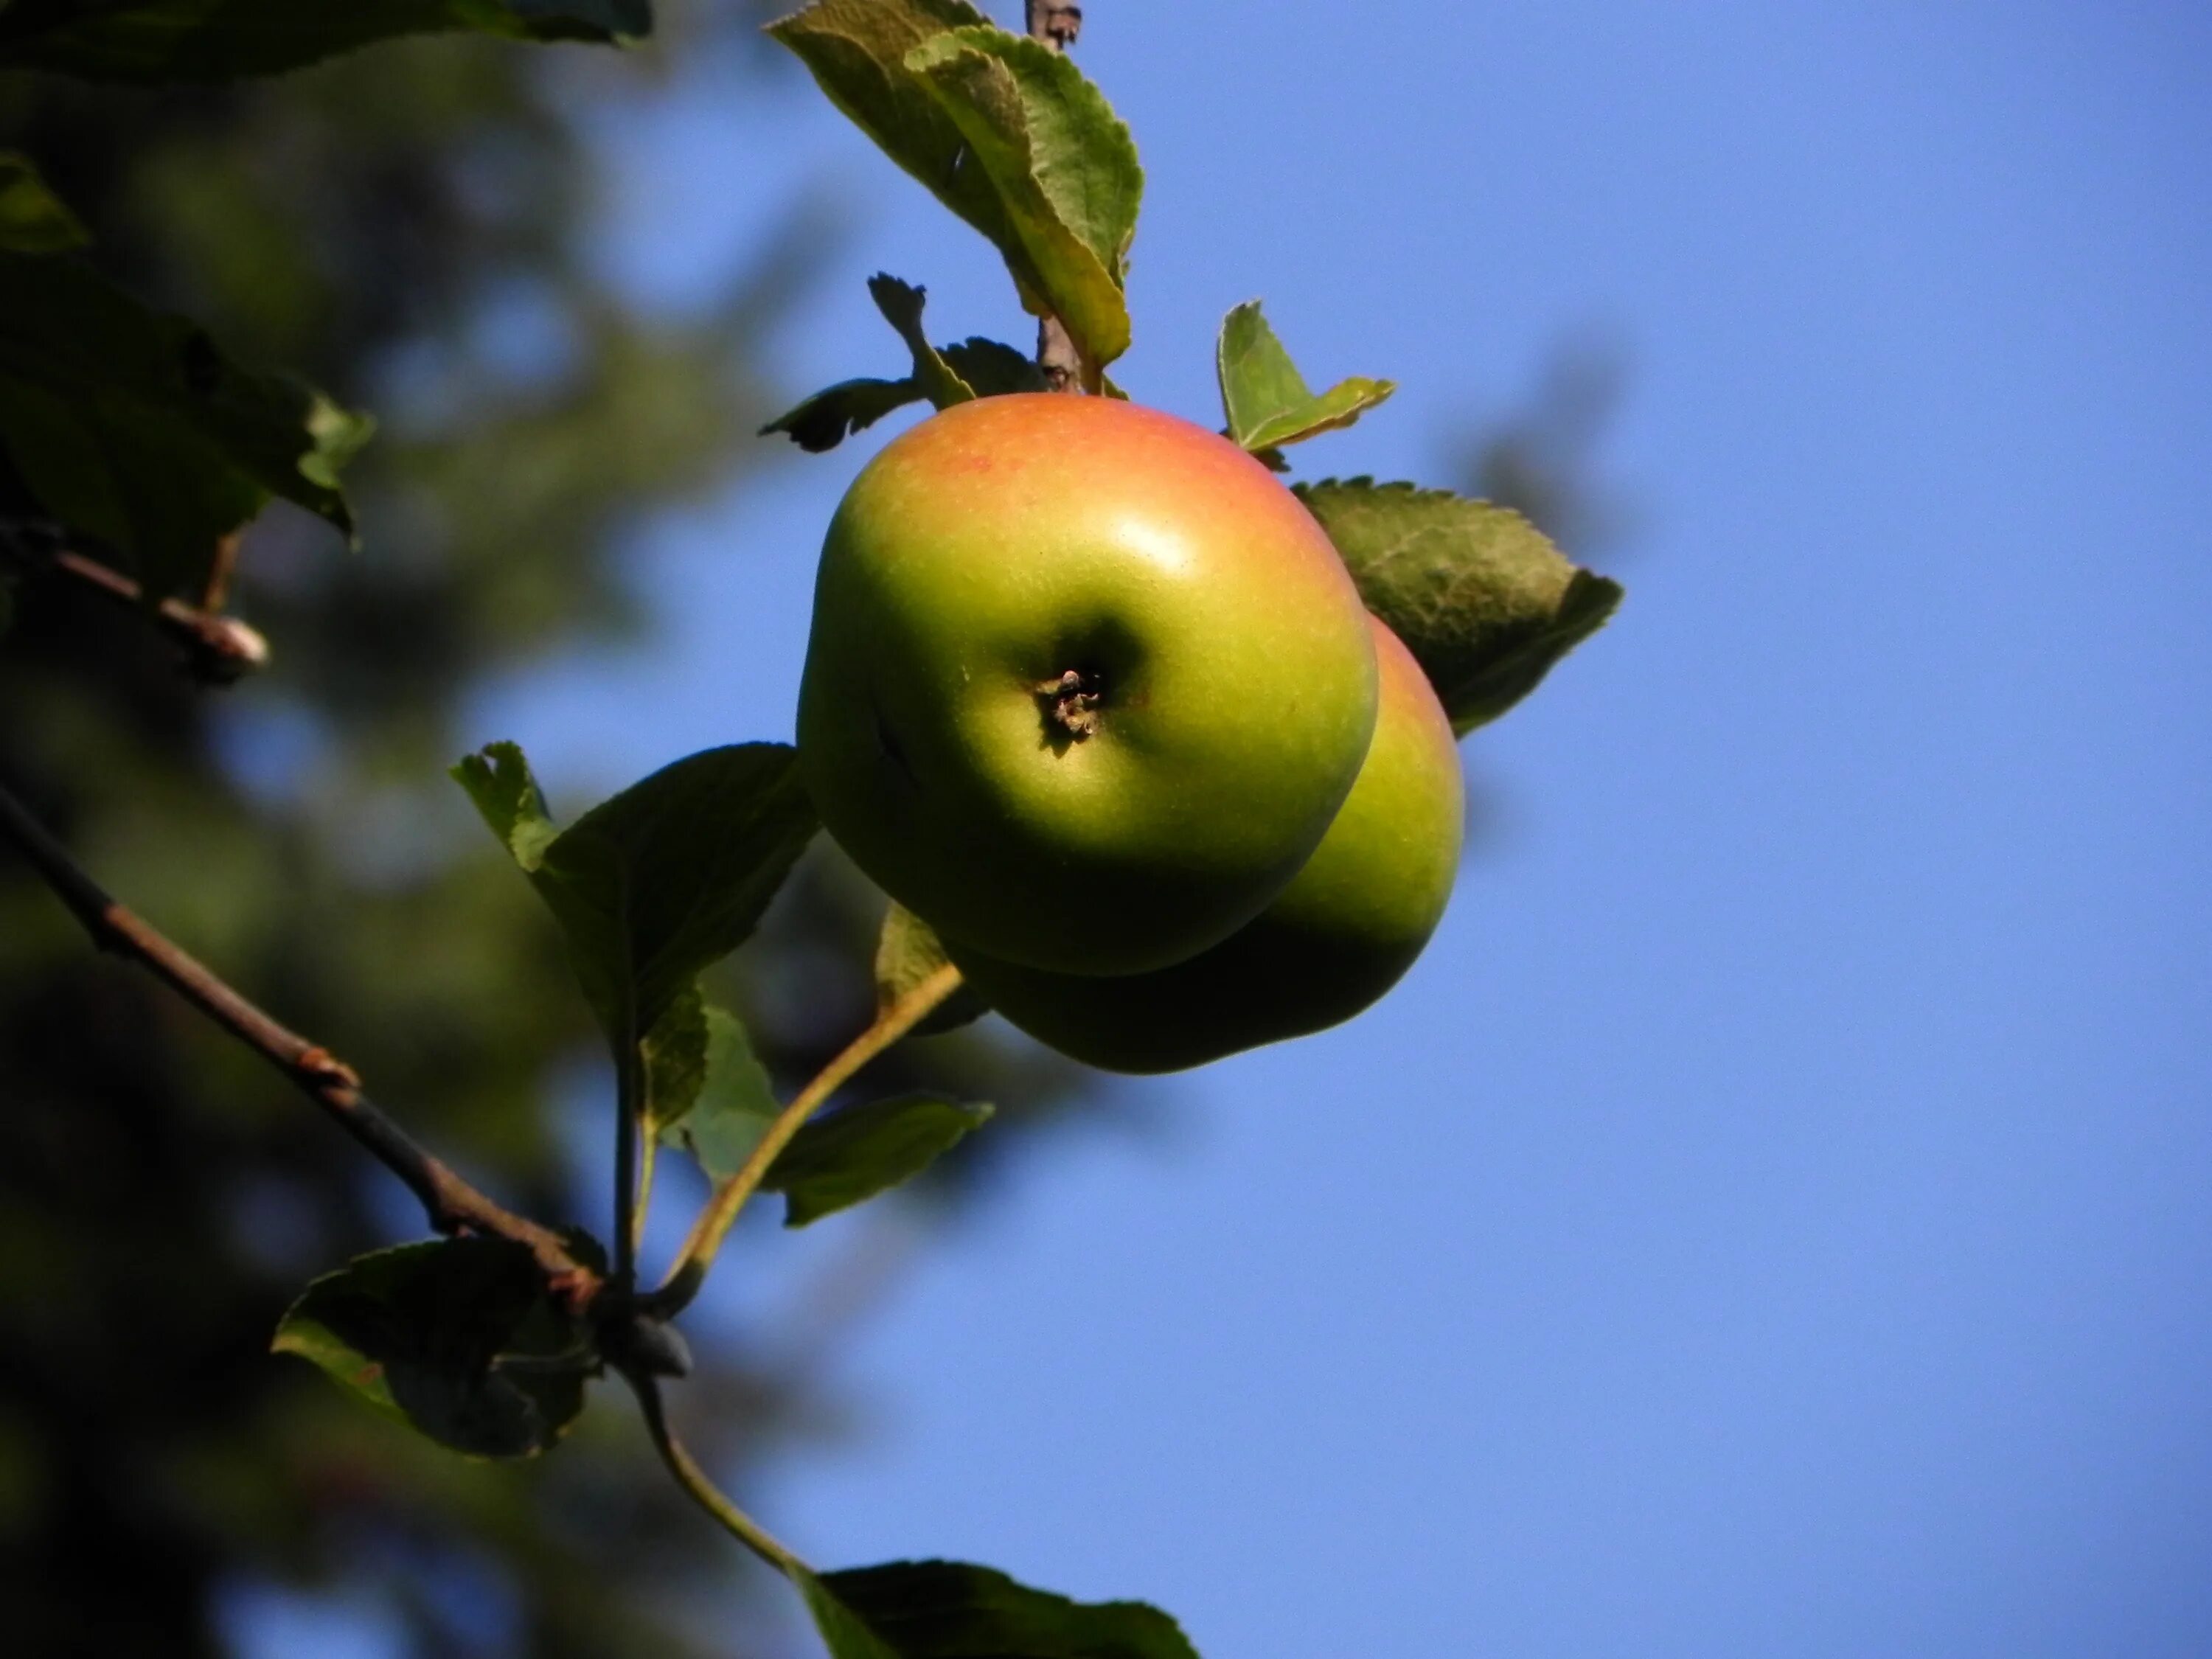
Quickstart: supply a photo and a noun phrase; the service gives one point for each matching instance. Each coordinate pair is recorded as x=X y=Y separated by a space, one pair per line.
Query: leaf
x=848 y=1156
x=834 y=413
x=132 y=427
x=1266 y=399
x=1479 y=595
x=733 y=1102
x=908 y=951
x=951 y=1610
x=157 y=40
x=33 y=218
x=456 y=1337
x=975 y=367
x=499 y=783
x=1063 y=166
x=661 y=881
x=901 y=304
x=856 y=51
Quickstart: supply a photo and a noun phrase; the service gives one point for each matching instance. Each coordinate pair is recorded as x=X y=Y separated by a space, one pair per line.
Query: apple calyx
x=1071 y=703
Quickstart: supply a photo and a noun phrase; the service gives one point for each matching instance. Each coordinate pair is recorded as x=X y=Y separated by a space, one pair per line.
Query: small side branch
x=219 y=649
x=451 y=1203
x=1056 y=22
x=701 y=1490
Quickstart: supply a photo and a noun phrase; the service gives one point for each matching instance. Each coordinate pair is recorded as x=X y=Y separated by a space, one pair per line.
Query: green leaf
x=157 y=40
x=666 y=878
x=901 y=304
x=499 y=781
x=1063 y=166
x=834 y=413
x=1479 y=595
x=856 y=51
x=1267 y=401
x=908 y=951
x=732 y=1103
x=951 y=1610
x=846 y=1157
x=132 y=427
x=456 y=1337
x=33 y=218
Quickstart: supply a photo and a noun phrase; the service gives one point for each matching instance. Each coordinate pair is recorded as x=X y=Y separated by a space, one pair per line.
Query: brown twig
x=1056 y=22
x=451 y=1203
x=218 y=649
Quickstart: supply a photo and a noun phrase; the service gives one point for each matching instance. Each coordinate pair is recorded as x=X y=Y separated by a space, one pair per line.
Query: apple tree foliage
x=138 y=440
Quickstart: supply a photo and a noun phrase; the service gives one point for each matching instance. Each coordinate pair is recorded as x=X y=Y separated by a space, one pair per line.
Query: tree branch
x=1056 y=22
x=219 y=650
x=451 y=1203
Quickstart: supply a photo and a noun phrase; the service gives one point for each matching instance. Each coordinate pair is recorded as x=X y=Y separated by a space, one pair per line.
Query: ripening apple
x=1334 y=941
x=1085 y=683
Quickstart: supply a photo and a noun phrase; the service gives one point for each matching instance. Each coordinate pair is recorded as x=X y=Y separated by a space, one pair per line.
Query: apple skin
x=1343 y=932
x=1085 y=683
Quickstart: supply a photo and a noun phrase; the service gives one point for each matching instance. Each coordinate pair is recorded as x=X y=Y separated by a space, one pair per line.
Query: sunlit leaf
x=908 y=951
x=732 y=1100
x=1479 y=595
x=848 y=1156
x=1267 y=400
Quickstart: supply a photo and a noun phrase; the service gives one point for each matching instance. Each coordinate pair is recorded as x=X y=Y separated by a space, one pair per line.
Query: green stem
x=629 y=1107
x=708 y=1232
x=703 y=1492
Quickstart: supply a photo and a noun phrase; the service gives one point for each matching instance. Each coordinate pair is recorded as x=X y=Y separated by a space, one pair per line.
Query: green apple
x=1334 y=941
x=1085 y=684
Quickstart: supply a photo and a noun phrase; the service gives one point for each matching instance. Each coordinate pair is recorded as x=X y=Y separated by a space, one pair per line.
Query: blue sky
x=1772 y=1218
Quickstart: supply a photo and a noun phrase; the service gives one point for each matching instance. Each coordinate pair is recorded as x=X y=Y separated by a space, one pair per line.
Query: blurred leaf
x=1267 y=401
x=156 y=40
x=456 y=1337
x=732 y=1100
x=908 y=951
x=661 y=881
x=1065 y=169
x=1479 y=595
x=834 y=413
x=33 y=218
x=133 y=427
x=951 y=1610
x=846 y=1157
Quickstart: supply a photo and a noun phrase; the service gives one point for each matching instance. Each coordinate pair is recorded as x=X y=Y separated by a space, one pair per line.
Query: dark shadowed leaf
x=33 y=218
x=951 y=1610
x=1479 y=595
x=663 y=879
x=156 y=40
x=848 y=1156
x=1267 y=400
x=456 y=1337
x=834 y=413
x=1063 y=166
x=133 y=427
x=953 y=374
x=731 y=1101
x=908 y=951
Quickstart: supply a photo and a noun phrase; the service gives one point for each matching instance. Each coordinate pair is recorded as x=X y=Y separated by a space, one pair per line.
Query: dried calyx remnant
x=1070 y=702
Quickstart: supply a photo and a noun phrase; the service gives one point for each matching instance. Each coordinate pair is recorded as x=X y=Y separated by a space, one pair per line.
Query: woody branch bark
x=1056 y=22
x=451 y=1203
